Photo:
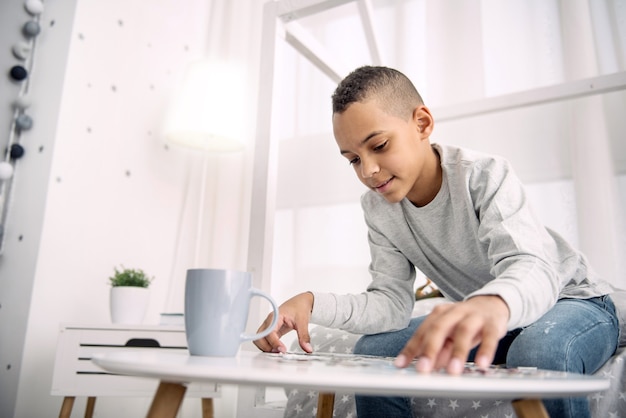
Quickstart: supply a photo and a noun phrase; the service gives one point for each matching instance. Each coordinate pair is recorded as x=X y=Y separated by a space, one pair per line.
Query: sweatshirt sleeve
x=387 y=303
x=521 y=251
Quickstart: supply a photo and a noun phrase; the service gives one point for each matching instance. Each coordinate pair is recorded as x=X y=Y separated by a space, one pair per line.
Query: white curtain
x=213 y=224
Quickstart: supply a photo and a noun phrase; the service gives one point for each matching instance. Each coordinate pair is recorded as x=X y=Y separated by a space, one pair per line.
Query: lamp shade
x=207 y=112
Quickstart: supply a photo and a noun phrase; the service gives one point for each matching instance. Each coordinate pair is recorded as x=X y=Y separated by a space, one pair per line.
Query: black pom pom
x=18 y=73
x=16 y=152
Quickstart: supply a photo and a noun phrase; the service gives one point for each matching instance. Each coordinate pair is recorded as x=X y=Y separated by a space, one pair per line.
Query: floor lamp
x=203 y=117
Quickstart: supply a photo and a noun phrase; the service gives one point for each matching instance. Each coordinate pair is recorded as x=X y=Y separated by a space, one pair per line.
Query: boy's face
x=390 y=155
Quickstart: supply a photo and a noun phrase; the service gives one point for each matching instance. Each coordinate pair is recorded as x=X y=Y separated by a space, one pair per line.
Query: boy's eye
x=380 y=146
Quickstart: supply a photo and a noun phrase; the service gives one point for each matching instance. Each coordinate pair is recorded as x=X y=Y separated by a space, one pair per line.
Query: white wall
x=110 y=192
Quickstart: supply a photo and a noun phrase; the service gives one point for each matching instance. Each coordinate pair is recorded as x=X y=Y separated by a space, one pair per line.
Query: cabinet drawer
x=132 y=338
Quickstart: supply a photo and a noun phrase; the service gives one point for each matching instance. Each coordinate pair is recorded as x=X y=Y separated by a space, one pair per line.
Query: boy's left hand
x=450 y=331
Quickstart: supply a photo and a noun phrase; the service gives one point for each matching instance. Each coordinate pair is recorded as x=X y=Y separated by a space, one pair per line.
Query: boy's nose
x=369 y=168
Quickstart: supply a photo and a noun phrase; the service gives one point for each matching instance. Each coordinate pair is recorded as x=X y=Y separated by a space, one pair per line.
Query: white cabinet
x=75 y=374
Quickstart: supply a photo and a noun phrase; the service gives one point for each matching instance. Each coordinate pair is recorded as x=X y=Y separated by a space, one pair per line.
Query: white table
x=330 y=373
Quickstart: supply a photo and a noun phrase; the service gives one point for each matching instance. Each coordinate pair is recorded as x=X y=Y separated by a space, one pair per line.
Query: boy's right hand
x=294 y=314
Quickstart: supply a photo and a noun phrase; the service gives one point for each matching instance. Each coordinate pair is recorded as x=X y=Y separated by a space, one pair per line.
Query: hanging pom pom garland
x=19 y=74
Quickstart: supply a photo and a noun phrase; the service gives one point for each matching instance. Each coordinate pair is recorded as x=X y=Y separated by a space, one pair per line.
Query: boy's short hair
x=394 y=91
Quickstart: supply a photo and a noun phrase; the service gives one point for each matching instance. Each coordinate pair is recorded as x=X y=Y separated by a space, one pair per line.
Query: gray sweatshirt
x=478 y=236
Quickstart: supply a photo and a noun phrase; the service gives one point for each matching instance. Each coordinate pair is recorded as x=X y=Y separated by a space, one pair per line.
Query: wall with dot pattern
x=97 y=187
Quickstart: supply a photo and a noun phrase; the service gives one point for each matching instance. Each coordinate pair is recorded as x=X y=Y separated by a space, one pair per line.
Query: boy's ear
x=424 y=121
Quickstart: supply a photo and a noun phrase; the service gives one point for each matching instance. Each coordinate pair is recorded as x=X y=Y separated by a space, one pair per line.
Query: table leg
x=167 y=400
x=91 y=405
x=207 y=408
x=530 y=408
x=66 y=407
x=325 y=404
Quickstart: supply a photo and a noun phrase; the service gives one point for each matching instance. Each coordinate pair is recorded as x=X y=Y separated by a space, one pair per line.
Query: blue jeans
x=576 y=336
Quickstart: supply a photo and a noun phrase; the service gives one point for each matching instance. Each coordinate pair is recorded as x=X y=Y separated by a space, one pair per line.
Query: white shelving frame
x=280 y=23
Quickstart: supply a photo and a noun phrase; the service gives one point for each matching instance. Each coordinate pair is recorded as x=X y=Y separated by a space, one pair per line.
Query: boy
x=523 y=296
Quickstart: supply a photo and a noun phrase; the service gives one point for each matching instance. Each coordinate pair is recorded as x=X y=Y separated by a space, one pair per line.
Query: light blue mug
x=216 y=311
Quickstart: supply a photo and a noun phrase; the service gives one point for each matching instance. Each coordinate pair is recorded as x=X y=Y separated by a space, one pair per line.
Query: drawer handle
x=142 y=342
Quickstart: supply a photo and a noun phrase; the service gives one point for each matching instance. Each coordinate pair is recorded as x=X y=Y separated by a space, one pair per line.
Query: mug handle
x=268 y=330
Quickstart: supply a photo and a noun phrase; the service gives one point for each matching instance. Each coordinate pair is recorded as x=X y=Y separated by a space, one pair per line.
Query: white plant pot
x=129 y=304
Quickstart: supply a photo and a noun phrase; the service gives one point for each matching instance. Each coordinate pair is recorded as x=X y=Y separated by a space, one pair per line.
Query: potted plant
x=129 y=295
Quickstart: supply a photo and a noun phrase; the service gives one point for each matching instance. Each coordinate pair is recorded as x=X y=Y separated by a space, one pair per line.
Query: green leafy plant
x=129 y=277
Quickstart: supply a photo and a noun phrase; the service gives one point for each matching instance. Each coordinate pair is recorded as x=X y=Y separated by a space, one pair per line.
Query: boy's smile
x=390 y=155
